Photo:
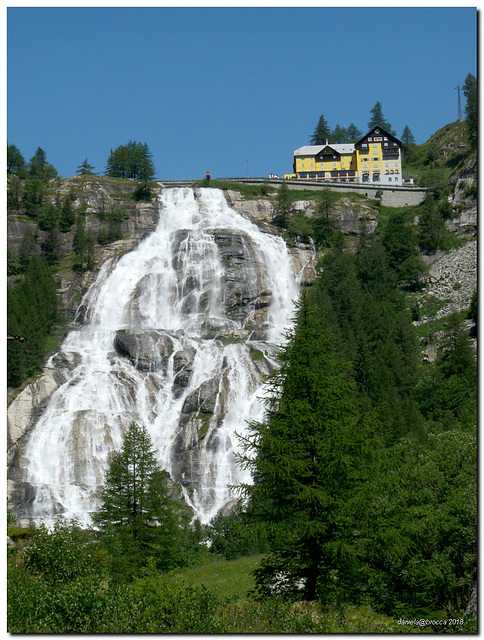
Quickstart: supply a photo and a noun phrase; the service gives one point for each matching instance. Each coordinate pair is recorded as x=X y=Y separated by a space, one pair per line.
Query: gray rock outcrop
x=147 y=350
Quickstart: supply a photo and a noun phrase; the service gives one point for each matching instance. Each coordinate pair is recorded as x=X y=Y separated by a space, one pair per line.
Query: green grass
x=225 y=578
x=231 y=580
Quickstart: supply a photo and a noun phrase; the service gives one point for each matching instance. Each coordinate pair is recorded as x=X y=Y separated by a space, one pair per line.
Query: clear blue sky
x=230 y=90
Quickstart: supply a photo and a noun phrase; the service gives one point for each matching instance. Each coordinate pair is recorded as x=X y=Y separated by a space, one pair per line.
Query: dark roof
x=380 y=130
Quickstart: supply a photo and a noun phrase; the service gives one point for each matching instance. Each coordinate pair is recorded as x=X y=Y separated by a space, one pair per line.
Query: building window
x=365 y=166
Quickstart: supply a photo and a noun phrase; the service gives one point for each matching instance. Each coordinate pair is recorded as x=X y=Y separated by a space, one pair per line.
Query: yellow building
x=375 y=158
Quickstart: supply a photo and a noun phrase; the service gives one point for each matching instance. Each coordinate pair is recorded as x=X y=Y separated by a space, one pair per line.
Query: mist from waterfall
x=172 y=293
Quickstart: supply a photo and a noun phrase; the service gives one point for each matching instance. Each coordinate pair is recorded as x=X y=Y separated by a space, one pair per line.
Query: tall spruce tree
x=353 y=133
x=137 y=512
x=321 y=133
x=15 y=161
x=309 y=459
x=378 y=120
x=282 y=206
x=471 y=108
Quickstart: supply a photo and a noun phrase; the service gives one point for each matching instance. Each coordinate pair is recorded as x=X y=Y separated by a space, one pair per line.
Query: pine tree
x=456 y=355
x=321 y=133
x=353 y=133
x=311 y=459
x=282 y=206
x=408 y=141
x=85 y=169
x=15 y=161
x=377 y=119
x=83 y=246
x=324 y=226
x=136 y=504
x=133 y=160
x=67 y=215
x=407 y=137
x=430 y=226
x=339 y=135
x=471 y=108
x=40 y=168
x=400 y=242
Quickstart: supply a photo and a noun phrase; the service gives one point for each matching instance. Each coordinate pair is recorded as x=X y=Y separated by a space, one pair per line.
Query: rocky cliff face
x=464 y=201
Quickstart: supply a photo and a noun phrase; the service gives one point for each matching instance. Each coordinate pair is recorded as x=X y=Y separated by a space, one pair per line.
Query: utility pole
x=459 y=119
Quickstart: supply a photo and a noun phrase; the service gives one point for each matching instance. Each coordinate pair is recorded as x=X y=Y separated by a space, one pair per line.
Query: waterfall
x=177 y=335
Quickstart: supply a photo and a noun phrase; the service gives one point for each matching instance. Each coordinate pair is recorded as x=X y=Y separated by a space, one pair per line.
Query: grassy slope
x=231 y=580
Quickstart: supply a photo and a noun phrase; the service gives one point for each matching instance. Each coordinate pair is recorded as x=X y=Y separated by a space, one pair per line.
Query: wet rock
x=204 y=398
x=148 y=350
x=183 y=369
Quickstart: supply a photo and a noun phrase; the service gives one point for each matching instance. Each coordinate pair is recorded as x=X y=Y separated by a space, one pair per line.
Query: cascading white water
x=174 y=295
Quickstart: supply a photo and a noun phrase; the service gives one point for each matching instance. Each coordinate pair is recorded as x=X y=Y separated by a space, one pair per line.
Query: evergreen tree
x=430 y=226
x=33 y=312
x=13 y=262
x=456 y=355
x=339 y=135
x=133 y=160
x=473 y=307
x=51 y=247
x=353 y=134
x=28 y=247
x=85 y=169
x=15 y=161
x=35 y=190
x=407 y=137
x=471 y=109
x=282 y=206
x=321 y=133
x=136 y=506
x=67 y=214
x=422 y=529
x=311 y=460
x=324 y=228
x=400 y=242
x=14 y=192
x=39 y=167
x=377 y=119
x=408 y=141
x=49 y=217
x=83 y=246
x=375 y=276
